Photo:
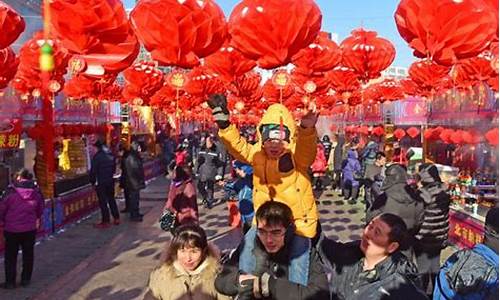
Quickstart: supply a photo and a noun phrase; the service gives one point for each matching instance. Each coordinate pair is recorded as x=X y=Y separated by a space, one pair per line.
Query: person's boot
x=102 y=225
x=25 y=282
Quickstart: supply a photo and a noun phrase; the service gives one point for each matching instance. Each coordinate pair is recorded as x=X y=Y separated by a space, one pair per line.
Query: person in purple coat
x=350 y=174
x=21 y=208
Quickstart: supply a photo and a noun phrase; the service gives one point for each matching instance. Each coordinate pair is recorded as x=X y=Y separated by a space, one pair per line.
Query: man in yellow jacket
x=280 y=159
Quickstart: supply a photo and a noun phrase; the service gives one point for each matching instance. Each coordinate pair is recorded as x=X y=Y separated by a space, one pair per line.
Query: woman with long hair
x=189 y=269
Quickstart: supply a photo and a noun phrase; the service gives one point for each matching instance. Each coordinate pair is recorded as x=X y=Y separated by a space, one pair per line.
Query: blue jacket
x=243 y=187
x=468 y=274
x=351 y=167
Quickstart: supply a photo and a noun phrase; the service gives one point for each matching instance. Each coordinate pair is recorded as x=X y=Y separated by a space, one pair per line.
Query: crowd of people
x=276 y=170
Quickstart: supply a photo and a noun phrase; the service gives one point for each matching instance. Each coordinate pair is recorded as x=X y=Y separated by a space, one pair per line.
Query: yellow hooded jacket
x=292 y=188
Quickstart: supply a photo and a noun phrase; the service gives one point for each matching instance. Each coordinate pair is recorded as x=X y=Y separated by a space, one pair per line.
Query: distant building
x=395 y=72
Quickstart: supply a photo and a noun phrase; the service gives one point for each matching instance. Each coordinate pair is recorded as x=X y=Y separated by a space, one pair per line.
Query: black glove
x=245 y=290
x=218 y=104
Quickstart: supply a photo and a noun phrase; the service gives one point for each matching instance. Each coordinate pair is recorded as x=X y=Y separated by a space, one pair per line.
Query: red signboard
x=10 y=134
x=411 y=111
x=465 y=231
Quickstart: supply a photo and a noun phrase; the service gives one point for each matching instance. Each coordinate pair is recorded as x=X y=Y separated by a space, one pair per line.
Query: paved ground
x=85 y=263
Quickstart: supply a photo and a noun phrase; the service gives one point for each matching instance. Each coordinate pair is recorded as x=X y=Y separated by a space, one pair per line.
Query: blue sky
x=342 y=16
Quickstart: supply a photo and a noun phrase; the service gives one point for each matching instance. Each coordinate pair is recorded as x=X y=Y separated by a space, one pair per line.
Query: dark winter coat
x=400 y=199
x=21 y=206
x=103 y=167
x=209 y=163
x=394 y=278
x=351 y=169
x=469 y=274
x=368 y=156
x=433 y=232
x=277 y=266
x=338 y=153
x=327 y=145
x=133 y=171
x=373 y=183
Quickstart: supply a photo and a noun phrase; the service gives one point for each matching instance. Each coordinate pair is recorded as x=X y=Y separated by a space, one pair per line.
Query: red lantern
x=343 y=79
x=8 y=66
x=320 y=56
x=399 y=133
x=428 y=75
x=98 y=31
x=478 y=68
x=446 y=30
x=456 y=137
x=429 y=134
x=11 y=25
x=262 y=29
x=246 y=86
x=389 y=90
x=367 y=54
x=142 y=80
x=229 y=63
x=202 y=83
x=179 y=33
x=378 y=131
x=445 y=135
x=492 y=136
x=413 y=132
x=310 y=84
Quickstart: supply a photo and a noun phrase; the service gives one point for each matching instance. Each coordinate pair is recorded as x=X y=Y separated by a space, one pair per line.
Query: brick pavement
x=85 y=263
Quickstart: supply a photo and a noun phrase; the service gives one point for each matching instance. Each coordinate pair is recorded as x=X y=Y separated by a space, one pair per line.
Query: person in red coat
x=182 y=197
x=319 y=166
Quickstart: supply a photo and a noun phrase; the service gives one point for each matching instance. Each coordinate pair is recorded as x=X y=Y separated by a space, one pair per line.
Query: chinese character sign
x=10 y=134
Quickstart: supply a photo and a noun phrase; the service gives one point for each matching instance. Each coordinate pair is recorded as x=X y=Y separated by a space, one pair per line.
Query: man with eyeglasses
x=275 y=275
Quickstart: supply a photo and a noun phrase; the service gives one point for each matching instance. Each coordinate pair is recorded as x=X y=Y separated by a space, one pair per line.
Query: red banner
x=10 y=134
x=465 y=231
x=411 y=111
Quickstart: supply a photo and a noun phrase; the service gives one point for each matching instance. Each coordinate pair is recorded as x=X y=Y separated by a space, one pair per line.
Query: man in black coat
x=101 y=174
x=400 y=199
x=134 y=180
x=338 y=153
x=373 y=268
x=209 y=168
x=274 y=274
x=432 y=236
x=373 y=175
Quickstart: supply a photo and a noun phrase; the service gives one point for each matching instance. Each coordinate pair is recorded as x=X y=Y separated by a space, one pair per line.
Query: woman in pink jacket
x=20 y=211
x=319 y=166
x=182 y=197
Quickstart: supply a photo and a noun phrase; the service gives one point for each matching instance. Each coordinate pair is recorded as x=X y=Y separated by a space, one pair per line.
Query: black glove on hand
x=218 y=104
x=245 y=290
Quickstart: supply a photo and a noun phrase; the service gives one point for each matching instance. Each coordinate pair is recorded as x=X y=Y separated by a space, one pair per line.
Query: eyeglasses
x=273 y=233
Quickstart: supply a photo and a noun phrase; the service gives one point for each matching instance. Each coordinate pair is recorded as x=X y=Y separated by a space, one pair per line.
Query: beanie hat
x=275 y=131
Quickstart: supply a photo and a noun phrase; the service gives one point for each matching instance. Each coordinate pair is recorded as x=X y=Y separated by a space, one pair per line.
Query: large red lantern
x=273 y=31
x=179 y=33
x=8 y=66
x=142 y=81
x=446 y=30
x=11 y=25
x=229 y=63
x=98 y=31
x=367 y=54
x=399 y=133
x=202 y=83
x=320 y=56
x=413 y=132
x=389 y=90
x=246 y=86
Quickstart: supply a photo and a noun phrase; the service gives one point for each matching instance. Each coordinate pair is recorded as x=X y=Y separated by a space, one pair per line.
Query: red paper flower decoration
x=389 y=90
x=247 y=87
x=11 y=25
x=179 y=33
x=413 y=132
x=142 y=80
x=446 y=30
x=320 y=56
x=263 y=31
x=399 y=133
x=8 y=66
x=367 y=54
x=445 y=135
